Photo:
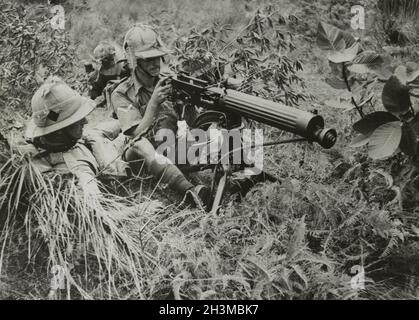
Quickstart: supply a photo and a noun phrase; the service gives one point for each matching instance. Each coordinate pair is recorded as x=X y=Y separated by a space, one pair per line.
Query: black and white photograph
x=226 y=152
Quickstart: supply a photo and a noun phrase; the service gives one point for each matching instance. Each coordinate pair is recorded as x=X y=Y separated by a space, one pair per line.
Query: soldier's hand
x=161 y=92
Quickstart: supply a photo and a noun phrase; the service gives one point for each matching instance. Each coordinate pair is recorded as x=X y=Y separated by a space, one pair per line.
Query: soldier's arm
x=129 y=117
x=132 y=123
x=109 y=129
x=88 y=183
x=82 y=164
x=159 y=96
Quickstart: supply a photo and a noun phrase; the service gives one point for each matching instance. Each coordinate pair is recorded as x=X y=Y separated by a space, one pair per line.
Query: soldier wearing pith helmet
x=141 y=104
x=144 y=50
x=58 y=115
x=110 y=65
x=56 y=138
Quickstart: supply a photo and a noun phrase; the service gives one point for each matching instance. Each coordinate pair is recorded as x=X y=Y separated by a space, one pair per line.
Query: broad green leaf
x=413 y=74
x=336 y=82
x=414 y=92
x=395 y=96
x=344 y=55
x=371 y=62
x=333 y=39
x=383 y=74
x=407 y=76
x=365 y=98
x=372 y=121
x=336 y=68
x=335 y=78
x=413 y=81
x=412 y=66
x=360 y=140
x=401 y=74
x=363 y=93
x=359 y=68
x=385 y=140
x=408 y=142
x=370 y=59
x=339 y=103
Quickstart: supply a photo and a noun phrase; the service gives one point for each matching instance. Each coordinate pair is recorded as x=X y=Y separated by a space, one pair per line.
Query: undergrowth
x=334 y=211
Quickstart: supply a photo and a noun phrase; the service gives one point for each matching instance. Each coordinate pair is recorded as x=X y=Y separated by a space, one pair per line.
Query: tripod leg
x=219 y=193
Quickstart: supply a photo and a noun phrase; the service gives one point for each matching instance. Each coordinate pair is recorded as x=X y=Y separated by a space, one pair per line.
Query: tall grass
x=98 y=236
x=300 y=242
x=401 y=20
x=404 y=9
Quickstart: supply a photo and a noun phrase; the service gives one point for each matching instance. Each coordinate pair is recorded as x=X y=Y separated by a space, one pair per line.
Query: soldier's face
x=150 y=66
x=108 y=62
x=76 y=129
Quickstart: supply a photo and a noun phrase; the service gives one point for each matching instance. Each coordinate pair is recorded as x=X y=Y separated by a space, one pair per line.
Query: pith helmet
x=141 y=41
x=103 y=50
x=56 y=106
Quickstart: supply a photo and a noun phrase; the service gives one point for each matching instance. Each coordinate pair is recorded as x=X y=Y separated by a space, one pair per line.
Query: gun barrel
x=303 y=123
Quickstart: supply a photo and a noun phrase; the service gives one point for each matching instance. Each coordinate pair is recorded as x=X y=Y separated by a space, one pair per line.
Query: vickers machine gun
x=225 y=108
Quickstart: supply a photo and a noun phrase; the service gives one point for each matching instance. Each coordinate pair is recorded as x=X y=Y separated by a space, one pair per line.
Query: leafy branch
x=385 y=132
x=259 y=58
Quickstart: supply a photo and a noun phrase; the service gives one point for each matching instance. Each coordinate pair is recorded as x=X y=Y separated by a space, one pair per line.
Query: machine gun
x=226 y=107
x=233 y=105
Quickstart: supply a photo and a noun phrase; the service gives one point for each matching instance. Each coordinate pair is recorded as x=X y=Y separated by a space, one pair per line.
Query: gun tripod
x=222 y=175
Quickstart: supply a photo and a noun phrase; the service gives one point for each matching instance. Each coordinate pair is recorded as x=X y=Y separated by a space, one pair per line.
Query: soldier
x=111 y=67
x=58 y=142
x=141 y=104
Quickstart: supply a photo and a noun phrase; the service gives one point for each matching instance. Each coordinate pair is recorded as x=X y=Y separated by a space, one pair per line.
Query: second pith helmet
x=142 y=42
x=103 y=51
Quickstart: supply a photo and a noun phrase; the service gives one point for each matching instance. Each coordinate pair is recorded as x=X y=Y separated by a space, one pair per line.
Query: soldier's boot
x=169 y=174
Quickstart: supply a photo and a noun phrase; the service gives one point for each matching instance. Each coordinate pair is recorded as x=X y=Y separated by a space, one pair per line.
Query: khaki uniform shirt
x=94 y=152
x=129 y=102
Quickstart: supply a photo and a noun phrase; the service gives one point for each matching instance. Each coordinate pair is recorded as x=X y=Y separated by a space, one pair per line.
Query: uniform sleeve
x=108 y=129
x=88 y=183
x=129 y=116
x=107 y=152
x=83 y=165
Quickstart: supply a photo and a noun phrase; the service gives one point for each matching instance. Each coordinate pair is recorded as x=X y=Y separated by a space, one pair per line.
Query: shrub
x=30 y=51
x=359 y=72
x=400 y=20
x=257 y=54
